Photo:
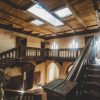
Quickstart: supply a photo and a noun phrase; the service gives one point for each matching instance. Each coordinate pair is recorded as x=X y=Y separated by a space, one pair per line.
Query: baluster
x=26 y=52
x=39 y=53
x=0 y=61
x=72 y=53
x=50 y=52
x=36 y=52
x=29 y=52
x=65 y=53
x=16 y=53
x=53 y=52
x=13 y=54
x=77 y=53
x=23 y=97
x=62 y=53
x=32 y=52
x=18 y=96
x=26 y=97
x=69 y=54
x=58 y=52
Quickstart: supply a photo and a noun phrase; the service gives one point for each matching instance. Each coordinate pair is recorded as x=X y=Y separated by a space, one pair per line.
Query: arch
x=52 y=72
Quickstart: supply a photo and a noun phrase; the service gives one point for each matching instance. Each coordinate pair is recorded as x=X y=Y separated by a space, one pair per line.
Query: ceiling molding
x=74 y=34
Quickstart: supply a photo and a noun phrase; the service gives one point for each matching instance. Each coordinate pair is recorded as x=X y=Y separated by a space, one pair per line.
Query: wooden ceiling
x=85 y=17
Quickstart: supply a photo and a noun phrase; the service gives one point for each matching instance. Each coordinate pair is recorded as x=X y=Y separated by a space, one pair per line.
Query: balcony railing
x=38 y=54
x=52 y=53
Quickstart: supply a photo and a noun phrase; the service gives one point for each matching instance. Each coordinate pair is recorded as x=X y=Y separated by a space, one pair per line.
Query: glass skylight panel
x=37 y=22
x=45 y=15
x=65 y=12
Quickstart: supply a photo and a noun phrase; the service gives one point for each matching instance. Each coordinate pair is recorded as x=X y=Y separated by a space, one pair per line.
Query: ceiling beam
x=11 y=4
x=18 y=30
x=44 y=6
x=75 y=13
x=24 y=22
x=11 y=14
x=17 y=7
x=28 y=5
x=96 y=9
x=85 y=32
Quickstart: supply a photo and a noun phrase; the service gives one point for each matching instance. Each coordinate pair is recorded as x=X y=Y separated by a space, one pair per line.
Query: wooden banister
x=28 y=53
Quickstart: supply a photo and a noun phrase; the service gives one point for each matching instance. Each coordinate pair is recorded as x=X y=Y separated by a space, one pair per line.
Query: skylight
x=65 y=12
x=37 y=22
x=45 y=15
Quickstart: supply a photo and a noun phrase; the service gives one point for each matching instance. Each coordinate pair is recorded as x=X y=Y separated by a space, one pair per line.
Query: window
x=65 y=12
x=98 y=44
x=37 y=22
x=45 y=15
x=53 y=72
x=54 y=46
x=73 y=44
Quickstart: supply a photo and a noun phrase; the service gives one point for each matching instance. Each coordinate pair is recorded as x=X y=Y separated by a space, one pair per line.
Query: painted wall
x=65 y=42
x=8 y=40
x=41 y=68
x=34 y=42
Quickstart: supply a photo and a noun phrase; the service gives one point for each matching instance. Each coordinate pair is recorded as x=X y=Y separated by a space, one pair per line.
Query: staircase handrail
x=78 y=64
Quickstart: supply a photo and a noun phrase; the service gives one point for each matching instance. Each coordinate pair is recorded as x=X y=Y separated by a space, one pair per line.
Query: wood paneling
x=18 y=17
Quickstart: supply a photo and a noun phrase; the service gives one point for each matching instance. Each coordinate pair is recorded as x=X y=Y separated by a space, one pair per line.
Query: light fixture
x=65 y=12
x=37 y=22
x=40 y=12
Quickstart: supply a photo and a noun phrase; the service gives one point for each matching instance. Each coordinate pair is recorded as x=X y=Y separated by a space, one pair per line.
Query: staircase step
x=93 y=71
x=94 y=66
x=91 y=95
x=93 y=86
x=93 y=78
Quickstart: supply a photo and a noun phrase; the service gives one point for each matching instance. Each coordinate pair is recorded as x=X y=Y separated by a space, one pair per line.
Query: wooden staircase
x=92 y=86
x=8 y=58
x=85 y=73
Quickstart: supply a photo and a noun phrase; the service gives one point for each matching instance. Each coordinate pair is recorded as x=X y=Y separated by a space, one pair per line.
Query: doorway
x=21 y=42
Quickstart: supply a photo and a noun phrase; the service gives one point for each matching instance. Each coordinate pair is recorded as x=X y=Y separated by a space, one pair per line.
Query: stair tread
x=93 y=93
x=94 y=76
x=93 y=69
x=93 y=83
x=96 y=64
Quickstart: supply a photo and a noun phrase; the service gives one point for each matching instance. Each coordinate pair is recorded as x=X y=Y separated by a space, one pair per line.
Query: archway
x=53 y=72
